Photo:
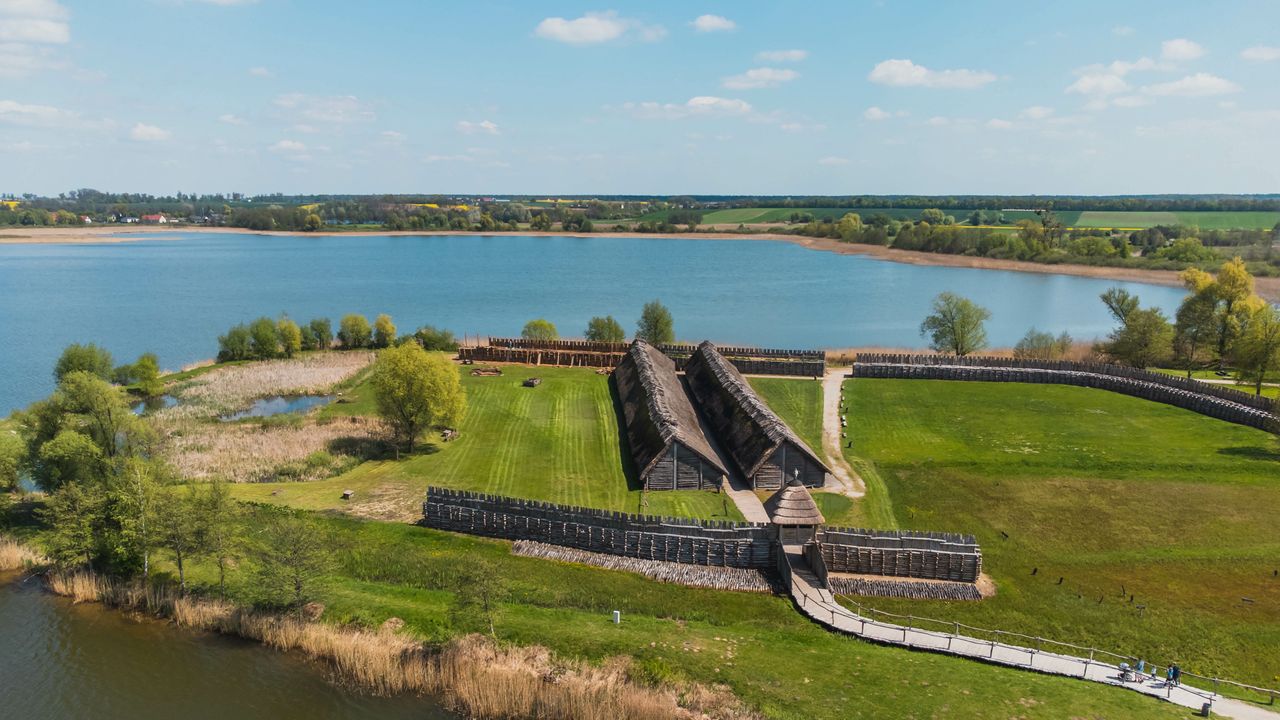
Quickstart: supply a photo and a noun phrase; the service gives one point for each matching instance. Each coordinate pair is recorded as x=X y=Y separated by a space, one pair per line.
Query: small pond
x=279 y=405
x=153 y=404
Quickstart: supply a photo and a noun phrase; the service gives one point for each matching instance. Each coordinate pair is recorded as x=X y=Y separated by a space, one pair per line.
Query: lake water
x=279 y=405
x=59 y=660
x=174 y=297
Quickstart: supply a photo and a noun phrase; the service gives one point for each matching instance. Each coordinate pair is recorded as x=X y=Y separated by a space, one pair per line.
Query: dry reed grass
x=235 y=387
x=16 y=556
x=471 y=675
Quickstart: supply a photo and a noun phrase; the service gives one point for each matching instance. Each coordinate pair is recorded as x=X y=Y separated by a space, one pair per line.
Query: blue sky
x=655 y=97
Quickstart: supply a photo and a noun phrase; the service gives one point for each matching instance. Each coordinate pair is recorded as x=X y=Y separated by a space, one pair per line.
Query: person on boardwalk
x=1177 y=674
x=1168 y=675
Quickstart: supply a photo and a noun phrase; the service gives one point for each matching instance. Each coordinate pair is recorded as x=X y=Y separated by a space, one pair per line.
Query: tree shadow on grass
x=624 y=443
x=367 y=448
x=1252 y=452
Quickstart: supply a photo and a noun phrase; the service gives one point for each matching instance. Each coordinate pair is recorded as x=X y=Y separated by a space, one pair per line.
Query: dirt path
x=846 y=480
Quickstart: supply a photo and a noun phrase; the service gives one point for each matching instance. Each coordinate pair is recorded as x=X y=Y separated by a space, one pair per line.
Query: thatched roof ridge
x=793 y=505
x=667 y=411
x=765 y=420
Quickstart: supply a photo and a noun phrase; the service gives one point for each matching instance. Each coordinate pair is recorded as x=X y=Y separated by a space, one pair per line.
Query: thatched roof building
x=666 y=439
x=765 y=449
x=792 y=505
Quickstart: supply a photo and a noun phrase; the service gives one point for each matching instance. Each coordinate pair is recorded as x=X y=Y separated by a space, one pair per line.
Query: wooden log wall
x=582 y=353
x=1202 y=398
x=868 y=587
x=936 y=556
x=695 y=542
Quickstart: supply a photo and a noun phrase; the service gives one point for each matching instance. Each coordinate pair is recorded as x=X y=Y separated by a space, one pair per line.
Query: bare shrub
x=16 y=556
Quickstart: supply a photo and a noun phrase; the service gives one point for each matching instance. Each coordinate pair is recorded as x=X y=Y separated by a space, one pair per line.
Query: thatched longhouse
x=765 y=449
x=666 y=439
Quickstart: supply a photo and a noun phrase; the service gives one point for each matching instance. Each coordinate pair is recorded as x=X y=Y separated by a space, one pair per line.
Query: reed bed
x=472 y=675
x=248 y=452
x=235 y=387
x=16 y=556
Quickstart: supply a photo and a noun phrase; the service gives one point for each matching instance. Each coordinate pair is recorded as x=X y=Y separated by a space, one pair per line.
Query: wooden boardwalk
x=814 y=600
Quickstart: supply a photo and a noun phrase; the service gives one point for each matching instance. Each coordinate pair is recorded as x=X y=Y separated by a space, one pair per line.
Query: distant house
x=86 y=219
x=157 y=219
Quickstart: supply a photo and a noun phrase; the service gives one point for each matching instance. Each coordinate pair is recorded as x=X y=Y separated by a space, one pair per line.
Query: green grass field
x=1230 y=220
x=1116 y=496
x=557 y=442
x=798 y=402
x=767 y=653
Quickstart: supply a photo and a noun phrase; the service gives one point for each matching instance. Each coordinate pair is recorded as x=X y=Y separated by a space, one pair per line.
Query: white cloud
x=833 y=161
x=15 y=113
x=227 y=3
x=230 y=119
x=1036 y=112
x=998 y=124
x=485 y=127
x=259 y=72
x=1122 y=30
x=1198 y=85
x=700 y=106
x=143 y=132
x=779 y=56
x=904 y=73
x=1099 y=84
x=1261 y=53
x=29 y=32
x=1180 y=49
x=938 y=121
x=330 y=109
x=288 y=147
x=1131 y=101
x=392 y=136
x=875 y=113
x=713 y=23
x=759 y=78
x=594 y=28
x=34 y=30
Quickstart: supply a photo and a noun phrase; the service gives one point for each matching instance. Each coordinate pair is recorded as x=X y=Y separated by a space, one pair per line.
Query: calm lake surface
x=59 y=660
x=175 y=296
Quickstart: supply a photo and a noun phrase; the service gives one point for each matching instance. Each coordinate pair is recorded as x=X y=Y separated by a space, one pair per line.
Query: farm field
x=1104 y=520
x=1230 y=220
x=1107 y=219
x=557 y=442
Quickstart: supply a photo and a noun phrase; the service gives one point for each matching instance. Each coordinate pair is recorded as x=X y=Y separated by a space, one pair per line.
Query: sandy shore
x=1267 y=287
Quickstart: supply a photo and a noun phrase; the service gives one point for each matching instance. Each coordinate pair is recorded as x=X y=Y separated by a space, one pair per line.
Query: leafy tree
x=384 y=331
x=933 y=216
x=290 y=336
x=1195 y=330
x=146 y=375
x=72 y=513
x=83 y=358
x=354 y=332
x=1259 y=346
x=478 y=588
x=416 y=390
x=264 y=339
x=312 y=222
x=1187 y=250
x=1119 y=303
x=1143 y=340
x=605 y=329
x=323 y=333
x=849 y=226
x=539 y=329
x=291 y=555
x=237 y=344
x=957 y=325
x=70 y=458
x=540 y=222
x=100 y=409
x=656 y=326
x=137 y=493
x=12 y=451
x=432 y=338
x=180 y=529
x=219 y=515
x=1036 y=345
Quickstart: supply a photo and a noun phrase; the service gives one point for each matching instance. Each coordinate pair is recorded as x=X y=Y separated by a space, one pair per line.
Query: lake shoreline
x=1269 y=288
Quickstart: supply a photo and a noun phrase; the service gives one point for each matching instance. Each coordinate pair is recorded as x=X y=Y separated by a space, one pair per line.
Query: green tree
x=540 y=222
x=323 y=333
x=237 y=344
x=146 y=375
x=478 y=588
x=180 y=529
x=432 y=338
x=220 y=516
x=83 y=358
x=384 y=331
x=12 y=452
x=933 y=216
x=312 y=222
x=264 y=339
x=956 y=325
x=656 y=326
x=605 y=329
x=1232 y=288
x=1259 y=347
x=1195 y=330
x=1145 y=339
x=136 y=489
x=290 y=336
x=1036 y=345
x=849 y=226
x=291 y=555
x=416 y=390
x=539 y=329
x=1119 y=303
x=72 y=514
x=1187 y=250
x=101 y=411
x=354 y=332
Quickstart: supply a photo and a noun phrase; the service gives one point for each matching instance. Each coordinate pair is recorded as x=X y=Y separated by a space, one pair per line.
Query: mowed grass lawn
x=798 y=402
x=1115 y=496
x=557 y=442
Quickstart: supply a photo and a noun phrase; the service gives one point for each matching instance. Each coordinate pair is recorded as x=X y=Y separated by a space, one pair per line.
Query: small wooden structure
x=532 y=382
x=765 y=449
x=795 y=514
x=489 y=371
x=348 y=494
x=667 y=443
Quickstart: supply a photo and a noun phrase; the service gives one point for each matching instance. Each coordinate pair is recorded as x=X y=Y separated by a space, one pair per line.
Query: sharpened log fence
x=1204 y=398
x=584 y=353
x=933 y=556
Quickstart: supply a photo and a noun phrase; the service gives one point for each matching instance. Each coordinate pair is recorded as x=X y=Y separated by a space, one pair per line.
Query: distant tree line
x=265 y=339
